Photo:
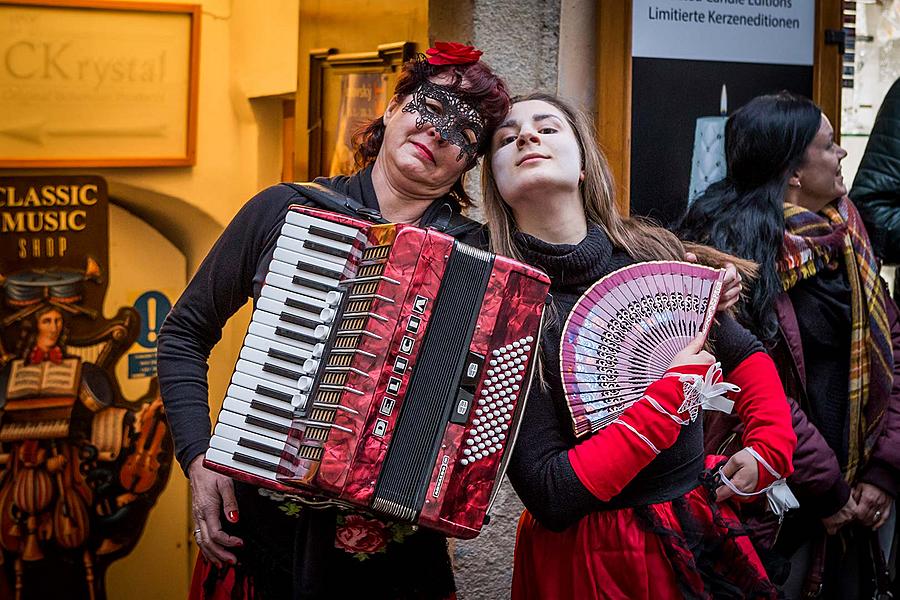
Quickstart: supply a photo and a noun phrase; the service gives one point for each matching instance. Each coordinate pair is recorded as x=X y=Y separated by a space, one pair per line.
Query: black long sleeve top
x=540 y=470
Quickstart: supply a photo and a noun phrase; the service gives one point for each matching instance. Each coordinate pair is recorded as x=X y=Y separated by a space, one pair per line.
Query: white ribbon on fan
x=706 y=392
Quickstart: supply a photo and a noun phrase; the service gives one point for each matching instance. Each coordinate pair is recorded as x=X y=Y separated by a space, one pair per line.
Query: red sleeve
x=764 y=411
x=613 y=456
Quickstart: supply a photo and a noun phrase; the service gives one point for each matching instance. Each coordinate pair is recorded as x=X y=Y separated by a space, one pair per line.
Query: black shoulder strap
x=335 y=202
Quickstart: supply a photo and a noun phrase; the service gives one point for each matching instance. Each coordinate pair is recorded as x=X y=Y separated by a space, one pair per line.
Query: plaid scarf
x=816 y=241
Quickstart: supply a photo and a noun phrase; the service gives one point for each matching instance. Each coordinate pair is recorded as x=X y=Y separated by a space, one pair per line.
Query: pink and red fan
x=624 y=331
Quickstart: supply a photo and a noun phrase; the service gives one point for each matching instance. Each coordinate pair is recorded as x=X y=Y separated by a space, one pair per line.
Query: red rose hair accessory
x=452 y=53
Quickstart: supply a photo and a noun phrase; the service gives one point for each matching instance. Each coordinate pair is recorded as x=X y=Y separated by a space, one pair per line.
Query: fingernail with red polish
x=233 y=516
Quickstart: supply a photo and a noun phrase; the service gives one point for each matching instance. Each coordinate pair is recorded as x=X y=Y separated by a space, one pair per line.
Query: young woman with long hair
x=631 y=511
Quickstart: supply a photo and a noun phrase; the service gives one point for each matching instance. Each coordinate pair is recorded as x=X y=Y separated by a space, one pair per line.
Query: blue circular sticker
x=153 y=308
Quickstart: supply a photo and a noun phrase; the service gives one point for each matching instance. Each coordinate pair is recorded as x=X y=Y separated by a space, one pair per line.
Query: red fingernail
x=233 y=516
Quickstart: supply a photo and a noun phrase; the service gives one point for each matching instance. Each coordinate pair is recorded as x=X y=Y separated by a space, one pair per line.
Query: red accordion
x=386 y=367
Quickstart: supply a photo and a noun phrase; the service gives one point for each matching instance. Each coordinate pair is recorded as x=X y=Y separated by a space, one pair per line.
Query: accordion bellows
x=623 y=332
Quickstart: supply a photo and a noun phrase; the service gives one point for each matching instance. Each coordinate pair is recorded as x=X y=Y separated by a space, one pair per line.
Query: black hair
x=765 y=140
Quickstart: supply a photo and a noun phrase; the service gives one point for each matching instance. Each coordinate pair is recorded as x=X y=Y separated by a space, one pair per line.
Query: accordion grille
x=320 y=434
x=310 y=453
x=328 y=396
x=346 y=341
x=339 y=360
x=366 y=287
x=376 y=252
x=359 y=306
x=352 y=324
x=320 y=414
x=334 y=377
x=370 y=270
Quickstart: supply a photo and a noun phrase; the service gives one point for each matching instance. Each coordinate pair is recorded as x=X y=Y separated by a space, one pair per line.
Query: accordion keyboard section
x=287 y=335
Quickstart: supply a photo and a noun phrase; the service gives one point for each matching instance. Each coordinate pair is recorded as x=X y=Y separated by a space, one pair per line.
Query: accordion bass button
x=529 y=339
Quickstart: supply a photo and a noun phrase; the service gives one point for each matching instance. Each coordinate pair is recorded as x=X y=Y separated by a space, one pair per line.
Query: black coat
x=876 y=189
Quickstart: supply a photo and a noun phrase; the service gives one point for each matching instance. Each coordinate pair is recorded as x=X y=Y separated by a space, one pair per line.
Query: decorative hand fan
x=624 y=331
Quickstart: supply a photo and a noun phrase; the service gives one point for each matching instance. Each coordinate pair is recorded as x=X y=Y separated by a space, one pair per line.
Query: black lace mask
x=453 y=118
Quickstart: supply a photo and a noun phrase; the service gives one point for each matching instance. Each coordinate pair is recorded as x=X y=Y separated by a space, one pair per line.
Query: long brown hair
x=638 y=237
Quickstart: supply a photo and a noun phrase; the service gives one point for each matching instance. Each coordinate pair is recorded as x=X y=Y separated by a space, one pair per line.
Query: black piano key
x=281 y=355
x=281 y=371
x=254 y=445
x=297 y=320
x=258 y=422
x=331 y=235
x=315 y=285
x=300 y=305
x=272 y=410
x=256 y=462
x=318 y=270
x=325 y=249
x=295 y=335
x=269 y=392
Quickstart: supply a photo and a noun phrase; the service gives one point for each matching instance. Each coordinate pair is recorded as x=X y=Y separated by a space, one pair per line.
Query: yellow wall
x=350 y=26
x=249 y=57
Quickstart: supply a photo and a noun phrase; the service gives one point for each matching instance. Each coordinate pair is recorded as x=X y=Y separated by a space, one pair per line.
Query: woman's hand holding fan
x=626 y=331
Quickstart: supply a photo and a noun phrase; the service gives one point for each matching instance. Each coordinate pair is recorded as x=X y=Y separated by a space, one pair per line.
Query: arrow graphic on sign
x=36 y=131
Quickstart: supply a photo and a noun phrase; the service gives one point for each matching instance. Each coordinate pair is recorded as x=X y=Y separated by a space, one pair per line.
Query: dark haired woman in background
x=833 y=331
x=412 y=163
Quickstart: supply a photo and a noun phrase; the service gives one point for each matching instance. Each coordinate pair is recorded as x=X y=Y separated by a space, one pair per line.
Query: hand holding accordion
x=625 y=331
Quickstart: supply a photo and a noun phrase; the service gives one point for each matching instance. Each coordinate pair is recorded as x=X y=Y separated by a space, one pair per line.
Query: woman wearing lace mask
x=412 y=163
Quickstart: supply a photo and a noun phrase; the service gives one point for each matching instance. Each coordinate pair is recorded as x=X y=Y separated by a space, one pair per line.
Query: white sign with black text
x=747 y=31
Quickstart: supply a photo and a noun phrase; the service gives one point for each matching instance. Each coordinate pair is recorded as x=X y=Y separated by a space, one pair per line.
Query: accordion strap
x=335 y=201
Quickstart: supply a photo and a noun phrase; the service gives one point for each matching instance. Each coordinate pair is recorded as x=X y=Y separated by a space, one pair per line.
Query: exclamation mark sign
x=151 y=320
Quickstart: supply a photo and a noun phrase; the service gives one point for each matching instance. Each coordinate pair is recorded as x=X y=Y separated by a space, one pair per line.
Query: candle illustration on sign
x=708 y=159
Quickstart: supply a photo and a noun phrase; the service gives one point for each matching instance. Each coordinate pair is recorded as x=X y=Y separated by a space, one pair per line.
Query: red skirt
x=613 y=554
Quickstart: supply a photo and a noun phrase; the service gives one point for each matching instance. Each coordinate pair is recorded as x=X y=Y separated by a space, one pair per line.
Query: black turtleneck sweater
x=540 y=470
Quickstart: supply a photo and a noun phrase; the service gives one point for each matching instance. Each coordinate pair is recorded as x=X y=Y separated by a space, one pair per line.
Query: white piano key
x=278 y=349
x=262 y=358
x=301 y=316
x=232 y=446
x=305 y=279
x=270 y=333
x=307 y=251
x=257 y=372
x=293 y=299
x=302 y=220
x=302 y=241
x=309 y=335
x=275 y=432
x=230 y=432
x=285 y=393
x=258 y=409
x=248 y=395
x=342 y=270
x=223 y=458
x=287 y=283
